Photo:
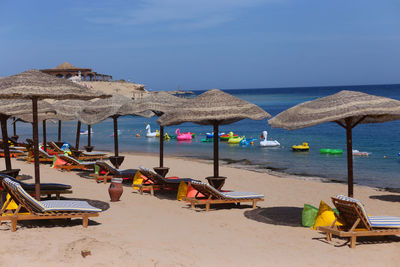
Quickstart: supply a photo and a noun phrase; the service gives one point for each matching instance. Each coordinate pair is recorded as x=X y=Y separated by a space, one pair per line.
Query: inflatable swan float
x=266 y=142
x=149 y=133
x=182 y=136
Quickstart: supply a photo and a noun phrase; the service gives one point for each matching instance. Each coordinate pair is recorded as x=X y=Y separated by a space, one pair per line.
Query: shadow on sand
x=286 y=216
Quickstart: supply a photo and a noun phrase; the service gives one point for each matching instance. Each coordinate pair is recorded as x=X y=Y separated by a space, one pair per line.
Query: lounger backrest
x=156 y=178
x=350 y=209
x=44 y=153
x=69 y=159
x=21 y=196
x=207 y=190
x=55 y=147
x=106 y=167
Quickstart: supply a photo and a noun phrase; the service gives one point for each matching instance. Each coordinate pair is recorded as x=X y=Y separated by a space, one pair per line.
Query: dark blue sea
x=382 y=140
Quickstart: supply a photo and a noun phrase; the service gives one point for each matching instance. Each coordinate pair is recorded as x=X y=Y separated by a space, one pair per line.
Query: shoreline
x=280 y=174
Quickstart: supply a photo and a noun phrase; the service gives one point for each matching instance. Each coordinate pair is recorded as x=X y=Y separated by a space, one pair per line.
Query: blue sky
x=207 y=44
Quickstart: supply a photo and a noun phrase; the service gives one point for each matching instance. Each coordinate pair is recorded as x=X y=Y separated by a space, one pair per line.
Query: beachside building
x=66 y=70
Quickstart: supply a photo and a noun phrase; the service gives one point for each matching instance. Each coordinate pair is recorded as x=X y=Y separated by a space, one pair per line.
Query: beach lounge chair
x=14 y=153
x=154 y=181
x=71 y=163
x=106 y=172
x=44 y=157
x=213 y=196
x=39 y=210
x=83 y=155
x=46 y=189
x=356 y=222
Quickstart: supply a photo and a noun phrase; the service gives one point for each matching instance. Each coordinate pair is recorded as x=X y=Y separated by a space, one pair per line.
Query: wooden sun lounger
x=111 y=172
x=39 y=210
x=213 y=196
x=72 y=163
x=357 y=223
x=158 y=182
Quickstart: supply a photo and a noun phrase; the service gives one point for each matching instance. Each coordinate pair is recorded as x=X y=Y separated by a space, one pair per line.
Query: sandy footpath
x=141 y=230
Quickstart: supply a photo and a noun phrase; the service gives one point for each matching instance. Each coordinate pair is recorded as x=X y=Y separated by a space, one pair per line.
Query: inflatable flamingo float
x=182 y=136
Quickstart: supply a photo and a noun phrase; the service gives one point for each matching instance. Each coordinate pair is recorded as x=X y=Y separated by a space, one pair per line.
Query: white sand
x=141 y=230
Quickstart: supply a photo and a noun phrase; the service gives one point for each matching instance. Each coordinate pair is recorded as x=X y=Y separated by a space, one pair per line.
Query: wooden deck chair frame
x=72 y=164
x=14 y=217
x=159 y=182
x=110 y=173
x=355 y=223
x=213 y=196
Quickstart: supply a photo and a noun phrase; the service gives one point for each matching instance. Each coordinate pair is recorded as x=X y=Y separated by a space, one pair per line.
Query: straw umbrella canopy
x=159 y=103
x=214 y=107
x=20 y=109
x=346 y=108
x=35 y=85
x=102 y=109
x=68 y=110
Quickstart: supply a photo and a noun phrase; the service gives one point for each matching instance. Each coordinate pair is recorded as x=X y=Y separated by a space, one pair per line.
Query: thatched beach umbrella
x=102 y=109
x=346 y=108
x=35 y=85
x=213 y=107
x=159 y=103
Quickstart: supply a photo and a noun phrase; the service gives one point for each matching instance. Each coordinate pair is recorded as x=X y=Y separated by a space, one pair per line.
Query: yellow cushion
x=137 y=179
x=325 y=216
x=182 y=190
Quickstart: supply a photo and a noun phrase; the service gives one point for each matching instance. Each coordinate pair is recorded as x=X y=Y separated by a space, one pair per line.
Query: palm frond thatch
x=213 y=106
x=36 y=84
x=361 y=107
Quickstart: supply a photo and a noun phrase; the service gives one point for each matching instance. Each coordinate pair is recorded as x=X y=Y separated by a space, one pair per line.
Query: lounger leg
x=58 y=196
x=85 y=221
x=353 y=240
x=152 y=190
x=13 y=224
x=141 y=190
x=192 y=205
x=105 y=180
x=328 y=236
x=207 y=206
x=254 y=204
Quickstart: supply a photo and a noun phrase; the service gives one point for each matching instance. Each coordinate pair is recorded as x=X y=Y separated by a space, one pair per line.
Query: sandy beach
x=144 y=230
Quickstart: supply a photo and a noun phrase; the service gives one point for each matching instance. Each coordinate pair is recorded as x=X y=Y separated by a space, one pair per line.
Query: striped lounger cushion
x=375 y=221
x=68 y=205
x=239 y=195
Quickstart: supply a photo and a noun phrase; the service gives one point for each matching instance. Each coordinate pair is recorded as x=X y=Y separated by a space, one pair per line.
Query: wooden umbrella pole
x=115 y=119
x=78 y=135
x=59 y=131
x=161 y=146
x=216 y=152
x=5 y=142
x=44 y=136
x=349 y=140
x=89 y=127
x=15 y=128
x=36 y=146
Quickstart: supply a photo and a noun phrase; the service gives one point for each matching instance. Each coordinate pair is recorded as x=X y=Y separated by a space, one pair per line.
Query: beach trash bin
x=115 y=190
x=309 y=215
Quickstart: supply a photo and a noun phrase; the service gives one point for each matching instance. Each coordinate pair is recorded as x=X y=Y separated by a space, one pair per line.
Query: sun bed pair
x=154 y=181
x=105 y=172
x=46 y=189
x=356 y=222
x=49 y=209
x=71 y=163
x=83 y=154
x=206 y=195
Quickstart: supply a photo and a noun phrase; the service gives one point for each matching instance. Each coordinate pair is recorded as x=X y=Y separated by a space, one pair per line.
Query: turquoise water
x=380 y=169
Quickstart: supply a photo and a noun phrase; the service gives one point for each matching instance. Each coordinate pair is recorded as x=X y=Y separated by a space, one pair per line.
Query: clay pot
x=115 y=190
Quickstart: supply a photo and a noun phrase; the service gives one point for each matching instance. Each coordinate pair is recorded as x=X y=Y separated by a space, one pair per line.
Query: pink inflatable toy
x=183 y=136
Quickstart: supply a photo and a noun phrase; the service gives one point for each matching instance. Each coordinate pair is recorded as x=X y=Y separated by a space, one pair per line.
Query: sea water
x=379 y=169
